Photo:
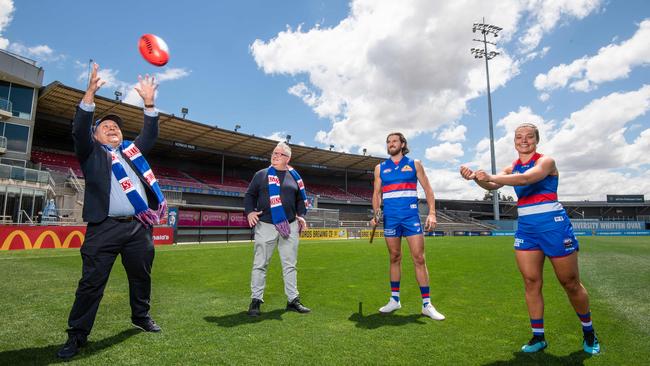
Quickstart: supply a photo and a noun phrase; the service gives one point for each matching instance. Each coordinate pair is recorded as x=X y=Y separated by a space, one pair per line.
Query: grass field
x=201 y=293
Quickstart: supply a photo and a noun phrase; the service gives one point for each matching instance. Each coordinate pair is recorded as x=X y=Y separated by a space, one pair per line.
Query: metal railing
x=74 y=180
x=321 y=217
x=23 y=213
x=24 y=174
x=173 y=196
x=6 y=105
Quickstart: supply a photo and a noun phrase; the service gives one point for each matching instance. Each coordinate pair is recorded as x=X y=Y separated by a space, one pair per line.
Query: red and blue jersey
x=399 y=186
x=537 y=203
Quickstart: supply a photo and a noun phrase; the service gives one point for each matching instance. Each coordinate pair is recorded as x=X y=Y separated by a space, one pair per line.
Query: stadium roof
x=59 y=101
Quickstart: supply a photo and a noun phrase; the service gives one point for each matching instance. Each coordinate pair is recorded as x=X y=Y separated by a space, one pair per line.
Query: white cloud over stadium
x=406 y=66
x=612 y=62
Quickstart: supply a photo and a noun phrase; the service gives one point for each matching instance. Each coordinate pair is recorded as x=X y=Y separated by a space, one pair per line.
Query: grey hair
x=529 y=125
x=285 y=147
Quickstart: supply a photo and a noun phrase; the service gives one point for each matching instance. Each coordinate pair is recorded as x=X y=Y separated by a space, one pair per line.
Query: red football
x=154 y=49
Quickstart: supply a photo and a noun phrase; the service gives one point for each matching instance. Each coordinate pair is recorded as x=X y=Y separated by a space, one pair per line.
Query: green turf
x=201 y=292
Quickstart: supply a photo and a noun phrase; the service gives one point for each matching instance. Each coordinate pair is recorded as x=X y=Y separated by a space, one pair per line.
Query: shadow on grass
x=543 y=358
x=374 y=321
x=47 y=355
x=241 y=318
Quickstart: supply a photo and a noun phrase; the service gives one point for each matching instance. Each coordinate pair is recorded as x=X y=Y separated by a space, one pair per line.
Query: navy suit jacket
x=96 y=164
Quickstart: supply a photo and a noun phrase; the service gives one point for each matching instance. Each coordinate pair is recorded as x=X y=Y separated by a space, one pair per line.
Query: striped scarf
x=277 y=211
x=143 y=213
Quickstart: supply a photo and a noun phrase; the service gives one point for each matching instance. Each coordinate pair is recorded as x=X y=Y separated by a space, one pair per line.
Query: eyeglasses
x=280 y=154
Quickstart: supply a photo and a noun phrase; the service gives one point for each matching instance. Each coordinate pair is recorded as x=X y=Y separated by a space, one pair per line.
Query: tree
x=502 y=197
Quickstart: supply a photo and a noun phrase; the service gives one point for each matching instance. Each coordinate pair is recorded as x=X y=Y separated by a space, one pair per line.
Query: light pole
x=493 y=30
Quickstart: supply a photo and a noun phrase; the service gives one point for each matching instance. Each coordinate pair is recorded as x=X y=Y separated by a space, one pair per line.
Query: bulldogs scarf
x=143 y=213
x=277 y=211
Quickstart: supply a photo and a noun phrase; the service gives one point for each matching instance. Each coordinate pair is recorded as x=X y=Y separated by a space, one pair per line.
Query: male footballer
x=396 y=185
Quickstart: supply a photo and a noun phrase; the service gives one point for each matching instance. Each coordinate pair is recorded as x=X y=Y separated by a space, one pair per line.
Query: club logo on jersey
x=414 y=205
x=568 y=244
x=387 y=170
x=407 y=168
x=558 y=218
x=518 y=242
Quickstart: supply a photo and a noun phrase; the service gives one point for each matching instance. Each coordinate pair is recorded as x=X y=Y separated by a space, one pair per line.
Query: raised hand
x=94 y=83
x=146 y=88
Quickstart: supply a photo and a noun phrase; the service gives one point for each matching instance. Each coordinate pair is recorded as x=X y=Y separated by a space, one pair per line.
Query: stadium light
x=118 y=94
x=288 y=139
x=331 y=147
x=237 y=127
x=184 y=111
x=485 y=30
x=364 y=151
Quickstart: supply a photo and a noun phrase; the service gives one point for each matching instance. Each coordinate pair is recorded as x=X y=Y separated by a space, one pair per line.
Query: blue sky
x=347 y=72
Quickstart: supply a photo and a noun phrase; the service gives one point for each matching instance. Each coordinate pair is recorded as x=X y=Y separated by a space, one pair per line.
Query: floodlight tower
x=488 y=29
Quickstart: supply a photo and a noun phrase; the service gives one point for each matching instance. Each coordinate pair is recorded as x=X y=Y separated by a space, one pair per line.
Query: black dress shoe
x=147 y=324
x=71 y=347
x=254 y=308
x=296 y=305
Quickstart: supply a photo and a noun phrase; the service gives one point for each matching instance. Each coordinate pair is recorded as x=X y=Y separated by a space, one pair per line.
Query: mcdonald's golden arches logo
x=37 y=244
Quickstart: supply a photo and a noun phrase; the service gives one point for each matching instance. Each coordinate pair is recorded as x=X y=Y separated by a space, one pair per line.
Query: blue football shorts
x=554 y=243
x=397 y=227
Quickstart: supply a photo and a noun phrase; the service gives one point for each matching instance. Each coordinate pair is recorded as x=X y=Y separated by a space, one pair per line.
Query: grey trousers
x=266 y=239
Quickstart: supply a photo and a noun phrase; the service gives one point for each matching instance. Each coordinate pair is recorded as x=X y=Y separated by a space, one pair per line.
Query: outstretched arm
x=469 y=174
x=431 y=221
x=146 y=88
x=83 y=118
x=544 y=167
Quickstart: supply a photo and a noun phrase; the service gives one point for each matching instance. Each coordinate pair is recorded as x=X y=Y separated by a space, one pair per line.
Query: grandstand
x=203 y=169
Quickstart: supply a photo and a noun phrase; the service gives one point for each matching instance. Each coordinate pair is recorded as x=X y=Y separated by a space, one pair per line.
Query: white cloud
x=599 y=183
x=173 y=73
x=445 y=152
x=277 y=136
x=589 y=146
x=453 y=133
x=537 y=54
x=6 y=15
x=401 y=65
x=505 y=153
x=593 y=137
x=544 y=97
x=545 y=15
x=41 y=53
x=113 y=82
x=381 y=69
x=449 y=184
x=614 y=61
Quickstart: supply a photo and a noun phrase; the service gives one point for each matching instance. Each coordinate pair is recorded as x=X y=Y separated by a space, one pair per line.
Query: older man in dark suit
x=122 y=202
